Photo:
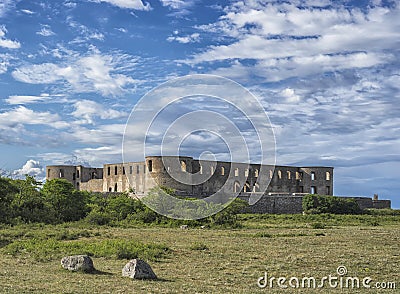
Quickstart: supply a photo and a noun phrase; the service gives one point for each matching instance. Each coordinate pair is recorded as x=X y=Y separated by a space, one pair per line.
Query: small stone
x=78 y=263
x=184 y=227
x=138 y=269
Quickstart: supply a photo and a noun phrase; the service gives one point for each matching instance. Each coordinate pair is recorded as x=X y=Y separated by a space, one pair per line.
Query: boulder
x=138 y=269
x=77 y=263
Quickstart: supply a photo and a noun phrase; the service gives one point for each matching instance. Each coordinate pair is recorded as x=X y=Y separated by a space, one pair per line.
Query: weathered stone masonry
x=142 y=176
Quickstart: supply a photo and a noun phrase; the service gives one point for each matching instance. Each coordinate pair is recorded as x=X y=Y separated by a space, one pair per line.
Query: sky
x=326 y=72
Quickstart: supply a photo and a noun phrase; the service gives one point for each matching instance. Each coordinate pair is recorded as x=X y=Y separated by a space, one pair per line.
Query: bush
x=316 y=204
x=318 y=226
x=228 y=216
x=98 y=218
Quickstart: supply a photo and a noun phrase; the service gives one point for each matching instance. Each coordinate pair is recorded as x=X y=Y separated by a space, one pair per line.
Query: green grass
x=202 y=260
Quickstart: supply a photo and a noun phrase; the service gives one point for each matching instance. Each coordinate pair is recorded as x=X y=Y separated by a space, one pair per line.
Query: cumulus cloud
x=86 y=111
x=6 y=43
x=290 y=95
x=195 y=37
x=32 y=168
x=92 y=73
x=287 y=40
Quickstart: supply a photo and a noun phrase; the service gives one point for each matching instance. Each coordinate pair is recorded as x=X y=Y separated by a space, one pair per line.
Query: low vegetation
x=315 y=204
x=226 y=252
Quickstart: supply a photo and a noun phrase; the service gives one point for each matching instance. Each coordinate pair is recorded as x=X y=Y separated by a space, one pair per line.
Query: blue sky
x=327 y=73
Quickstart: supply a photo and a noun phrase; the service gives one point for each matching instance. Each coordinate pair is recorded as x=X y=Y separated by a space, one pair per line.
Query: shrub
x=329 y=204
x=98 y=218
x=318 y=226
x=228 y=216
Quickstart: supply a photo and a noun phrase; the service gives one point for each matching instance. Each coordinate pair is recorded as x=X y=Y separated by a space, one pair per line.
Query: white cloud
x=6 y=43
x=70 y=4
x=286 y=40
x=20 y=99
x=22 y=115
x=45 y=31
x=84 y=33
x=277 y=69
x=27 y=11
x=4 y=62
x=181 y=7
x=128 y=4
x=290 y=95
x=7 y=5
x=31 y=167
x=122 y=30
x=195 y=37
x=87 y=111
x=93 y=73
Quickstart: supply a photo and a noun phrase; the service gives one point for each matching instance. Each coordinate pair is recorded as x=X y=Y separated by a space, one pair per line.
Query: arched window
x=116 y=170
x=236 y=187
x=222 y=171
x=271 y=174
x=256 y=188
x=116 y=187
x=183 y=166
x=247 y=187
x=279 y=174
x=256 y=173
x=201 y=169
x=246 y=172
x=236 y=172
x=328 y=176
x=150 y=165
x=289 y=175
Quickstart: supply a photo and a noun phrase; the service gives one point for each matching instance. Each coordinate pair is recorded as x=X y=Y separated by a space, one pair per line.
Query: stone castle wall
x=292 y=204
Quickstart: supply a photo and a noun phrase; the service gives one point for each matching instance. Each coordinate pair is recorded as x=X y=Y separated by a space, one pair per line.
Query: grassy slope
x=284 y=245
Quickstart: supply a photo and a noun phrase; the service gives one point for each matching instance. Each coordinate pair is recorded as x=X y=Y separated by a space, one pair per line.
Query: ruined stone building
x=177 y=172
x=282 y=187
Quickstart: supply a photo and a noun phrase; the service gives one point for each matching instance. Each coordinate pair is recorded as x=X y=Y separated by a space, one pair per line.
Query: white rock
x=138 y=269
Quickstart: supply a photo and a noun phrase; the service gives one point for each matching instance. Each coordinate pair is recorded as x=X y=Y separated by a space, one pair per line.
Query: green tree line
x=56 y=201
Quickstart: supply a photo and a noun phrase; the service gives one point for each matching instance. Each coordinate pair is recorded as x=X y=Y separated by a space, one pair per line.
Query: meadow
x=204 y=260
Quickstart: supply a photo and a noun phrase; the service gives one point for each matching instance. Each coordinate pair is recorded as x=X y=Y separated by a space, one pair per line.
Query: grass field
x=204 y=260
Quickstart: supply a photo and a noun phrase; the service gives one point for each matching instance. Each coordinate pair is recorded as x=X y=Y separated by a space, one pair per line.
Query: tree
x=7 y=194
x=68 y=203
x=29 y=204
